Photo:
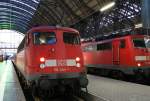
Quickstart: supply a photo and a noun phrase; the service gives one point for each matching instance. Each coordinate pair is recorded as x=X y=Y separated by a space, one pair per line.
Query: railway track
x=82 y=97
x=63 y=98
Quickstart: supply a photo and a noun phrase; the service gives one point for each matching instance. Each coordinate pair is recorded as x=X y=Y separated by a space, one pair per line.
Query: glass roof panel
x=22 y=3
x=12 y=7
x=12 y=15
x=13 y=22
x=18 y=12
x=10 y=39
x=13 y=19
x=36 y=1
x=15 y=12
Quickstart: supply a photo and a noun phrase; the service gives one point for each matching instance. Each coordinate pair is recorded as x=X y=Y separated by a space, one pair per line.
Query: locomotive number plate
x=50 y=62
x=61 y=63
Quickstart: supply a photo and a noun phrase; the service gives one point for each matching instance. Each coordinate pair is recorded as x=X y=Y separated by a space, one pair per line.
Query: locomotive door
x=116 y=52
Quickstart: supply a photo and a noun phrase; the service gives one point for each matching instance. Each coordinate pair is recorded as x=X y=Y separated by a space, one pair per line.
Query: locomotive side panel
x=20 y=61
x=103 y=57
x=21 y=58
x=124 y=52
x=127 y=54
x=89 y=53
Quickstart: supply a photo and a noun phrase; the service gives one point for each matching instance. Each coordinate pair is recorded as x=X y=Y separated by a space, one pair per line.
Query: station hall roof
x=83 y=15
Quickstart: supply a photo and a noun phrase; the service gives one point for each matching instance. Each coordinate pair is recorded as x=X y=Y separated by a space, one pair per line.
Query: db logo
x=61 y=63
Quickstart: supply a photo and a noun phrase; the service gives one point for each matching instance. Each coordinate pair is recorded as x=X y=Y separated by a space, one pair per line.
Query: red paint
x=28 y=60
x=116 y=55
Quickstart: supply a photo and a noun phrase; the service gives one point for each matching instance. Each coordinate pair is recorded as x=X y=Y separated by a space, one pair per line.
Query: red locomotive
x=50 y=59
x=118 y=56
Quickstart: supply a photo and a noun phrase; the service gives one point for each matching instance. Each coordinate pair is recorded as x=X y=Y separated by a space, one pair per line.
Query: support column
x=146 y=13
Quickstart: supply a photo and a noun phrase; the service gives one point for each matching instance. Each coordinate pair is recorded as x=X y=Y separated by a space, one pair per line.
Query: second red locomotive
x=118 y=56
x=50 y=59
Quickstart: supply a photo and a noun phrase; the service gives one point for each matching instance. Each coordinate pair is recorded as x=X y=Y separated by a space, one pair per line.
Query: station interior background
x=9 y=41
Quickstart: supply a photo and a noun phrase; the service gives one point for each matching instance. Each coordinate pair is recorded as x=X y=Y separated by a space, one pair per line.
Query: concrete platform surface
x=10 y=89
x=115 y=90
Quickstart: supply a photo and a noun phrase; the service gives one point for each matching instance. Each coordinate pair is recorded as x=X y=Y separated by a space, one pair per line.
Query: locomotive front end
x=57 y=61
x=141 y=56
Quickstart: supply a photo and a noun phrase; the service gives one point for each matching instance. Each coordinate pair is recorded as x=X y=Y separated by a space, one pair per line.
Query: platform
x=10 y=89
x=116 y=90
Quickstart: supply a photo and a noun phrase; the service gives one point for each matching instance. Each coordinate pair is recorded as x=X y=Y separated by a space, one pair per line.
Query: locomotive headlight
x=42 y=59
x=138 y=64
x=42 y=66
x=77 y=59
x=78 y=65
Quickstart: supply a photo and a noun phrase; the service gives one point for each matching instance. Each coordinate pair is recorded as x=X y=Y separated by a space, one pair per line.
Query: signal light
x=138 y=64
x=42 y=66
x=42 y=59
x=78 y=65
x=77 y=59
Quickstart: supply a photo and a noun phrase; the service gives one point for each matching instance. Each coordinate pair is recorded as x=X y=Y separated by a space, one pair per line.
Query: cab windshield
x=148 y=43
x=139 y=42
x=44 y=38
x=71 y=38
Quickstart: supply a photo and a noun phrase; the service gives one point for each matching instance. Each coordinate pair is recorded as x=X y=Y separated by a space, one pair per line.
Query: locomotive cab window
x=122 y=44
x=90 y=48
x=44 y=38
x=139 y=42
x=147 y=43
x=104 y=46
x=71 y=38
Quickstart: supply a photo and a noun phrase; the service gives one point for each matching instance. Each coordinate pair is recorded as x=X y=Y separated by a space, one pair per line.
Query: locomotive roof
x=113 y=36
x=53 y=28
x=108 y=38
